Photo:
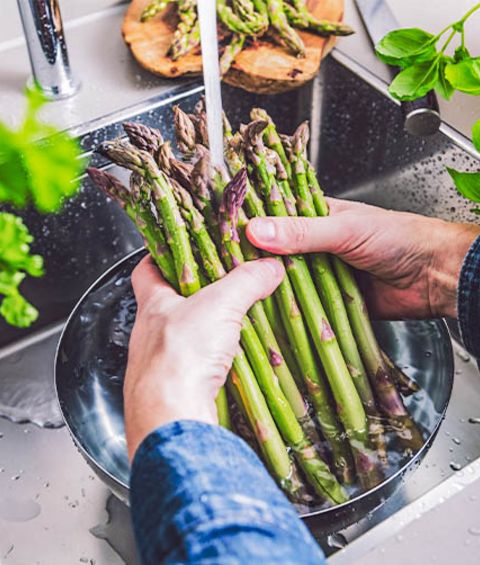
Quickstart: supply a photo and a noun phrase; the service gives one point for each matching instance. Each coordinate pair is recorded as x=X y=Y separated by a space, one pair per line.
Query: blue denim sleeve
x=469 y=300
x=199 y=494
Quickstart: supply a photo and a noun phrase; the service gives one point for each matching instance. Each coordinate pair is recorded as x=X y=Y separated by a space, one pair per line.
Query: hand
x=181 y=349
x=413 y=261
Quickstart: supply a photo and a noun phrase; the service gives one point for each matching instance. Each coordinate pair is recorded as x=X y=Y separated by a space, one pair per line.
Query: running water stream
x=207 y=16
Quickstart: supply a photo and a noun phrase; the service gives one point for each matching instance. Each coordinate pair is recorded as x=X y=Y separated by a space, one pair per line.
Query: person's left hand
x=181 y=349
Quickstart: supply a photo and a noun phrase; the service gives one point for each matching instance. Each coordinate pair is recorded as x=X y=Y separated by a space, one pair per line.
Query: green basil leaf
x=461 y=53
x=443 y=87
x=476 y=135
x=465 y=75
x=475 y=211
x=415 y=81
x=403 y=47
x=468 y=184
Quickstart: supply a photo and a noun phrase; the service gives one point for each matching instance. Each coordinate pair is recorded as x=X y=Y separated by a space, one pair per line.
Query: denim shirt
x=199 y=494
x=469 y=300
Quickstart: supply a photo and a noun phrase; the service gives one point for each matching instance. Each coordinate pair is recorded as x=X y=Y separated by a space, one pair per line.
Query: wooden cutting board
x=262 y=67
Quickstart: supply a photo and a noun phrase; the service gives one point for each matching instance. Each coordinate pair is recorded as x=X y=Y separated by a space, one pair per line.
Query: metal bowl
x=91 y=360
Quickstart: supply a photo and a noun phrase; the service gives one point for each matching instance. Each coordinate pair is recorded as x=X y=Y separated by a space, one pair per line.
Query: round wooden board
x=262 y=67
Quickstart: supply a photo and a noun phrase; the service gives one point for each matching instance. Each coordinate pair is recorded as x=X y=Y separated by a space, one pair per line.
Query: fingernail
x=264 y=230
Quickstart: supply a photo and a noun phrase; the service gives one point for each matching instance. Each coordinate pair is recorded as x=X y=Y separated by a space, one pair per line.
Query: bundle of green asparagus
x=243 y=21
x=310 y=372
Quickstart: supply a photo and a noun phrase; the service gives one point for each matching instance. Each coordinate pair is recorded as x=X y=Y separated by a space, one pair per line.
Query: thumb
x=147 y=282
x=246 y=284
x=299 y=235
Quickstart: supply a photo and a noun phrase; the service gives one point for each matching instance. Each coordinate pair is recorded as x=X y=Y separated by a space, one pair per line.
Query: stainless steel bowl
x=90 y=365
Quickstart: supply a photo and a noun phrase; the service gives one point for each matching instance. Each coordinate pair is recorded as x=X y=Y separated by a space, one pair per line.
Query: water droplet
x=456 y=441
x=474 y=420
x=455 y=466
x=15 y=477
x=475 y=531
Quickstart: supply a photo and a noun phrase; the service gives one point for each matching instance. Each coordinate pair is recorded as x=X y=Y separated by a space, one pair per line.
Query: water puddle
x=18 y=510
x=117 y=531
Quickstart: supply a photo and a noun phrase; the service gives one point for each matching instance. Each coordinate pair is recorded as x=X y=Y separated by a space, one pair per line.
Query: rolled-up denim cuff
x=469 y=300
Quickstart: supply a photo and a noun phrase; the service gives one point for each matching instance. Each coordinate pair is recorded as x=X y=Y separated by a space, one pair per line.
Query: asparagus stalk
x=350 y=408
x=136 y=202
x=331 y=295
x=299 y=16
x=231 y=51
x=154 y=8
x=279 y=22
x=187 y=34
x=128 y=156
x=293 y=323
x=140 y=212
x=315 y=469
x=379 y=374
x=236 y=24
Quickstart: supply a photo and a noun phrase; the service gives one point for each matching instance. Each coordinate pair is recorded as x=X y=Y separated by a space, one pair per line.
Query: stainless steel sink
x=48 y=494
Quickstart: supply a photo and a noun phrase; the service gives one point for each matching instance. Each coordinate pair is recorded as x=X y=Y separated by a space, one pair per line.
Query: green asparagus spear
x=154 y=8
x=349 y=405
x=300 y=17
x=187 y=34
x=297 y=335
x=128 y=156
x=236 y=24
x=316 y=470
x=331 y=295
x=231 y=51
x=279 y=22
x=138 y=209
x=389 y=399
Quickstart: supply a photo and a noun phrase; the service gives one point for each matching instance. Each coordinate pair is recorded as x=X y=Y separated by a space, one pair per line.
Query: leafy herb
x=426 y=67
x=38 y=165
x=468 y=184
x=476 y=135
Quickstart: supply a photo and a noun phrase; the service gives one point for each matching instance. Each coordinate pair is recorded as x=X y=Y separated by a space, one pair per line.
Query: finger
x=147 y=281
x=338 y=206
x=246 y=284
x=299 y=235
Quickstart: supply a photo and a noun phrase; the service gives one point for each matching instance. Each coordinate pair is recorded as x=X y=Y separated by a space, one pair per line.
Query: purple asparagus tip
x=253 y=132
x=301 y=137
x=106 y=182
x=235 y=193
x=144 y=137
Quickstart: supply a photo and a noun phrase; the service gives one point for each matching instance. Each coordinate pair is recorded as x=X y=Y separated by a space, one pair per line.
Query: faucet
x=47 y=49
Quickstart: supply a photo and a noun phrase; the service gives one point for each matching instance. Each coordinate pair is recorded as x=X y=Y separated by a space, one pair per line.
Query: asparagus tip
x=235 y=193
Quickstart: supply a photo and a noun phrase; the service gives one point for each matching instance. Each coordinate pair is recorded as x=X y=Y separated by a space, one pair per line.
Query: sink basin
x=361 y=152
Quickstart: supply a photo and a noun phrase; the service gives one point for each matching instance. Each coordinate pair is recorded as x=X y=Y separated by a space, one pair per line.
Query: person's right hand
x=414 y=261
